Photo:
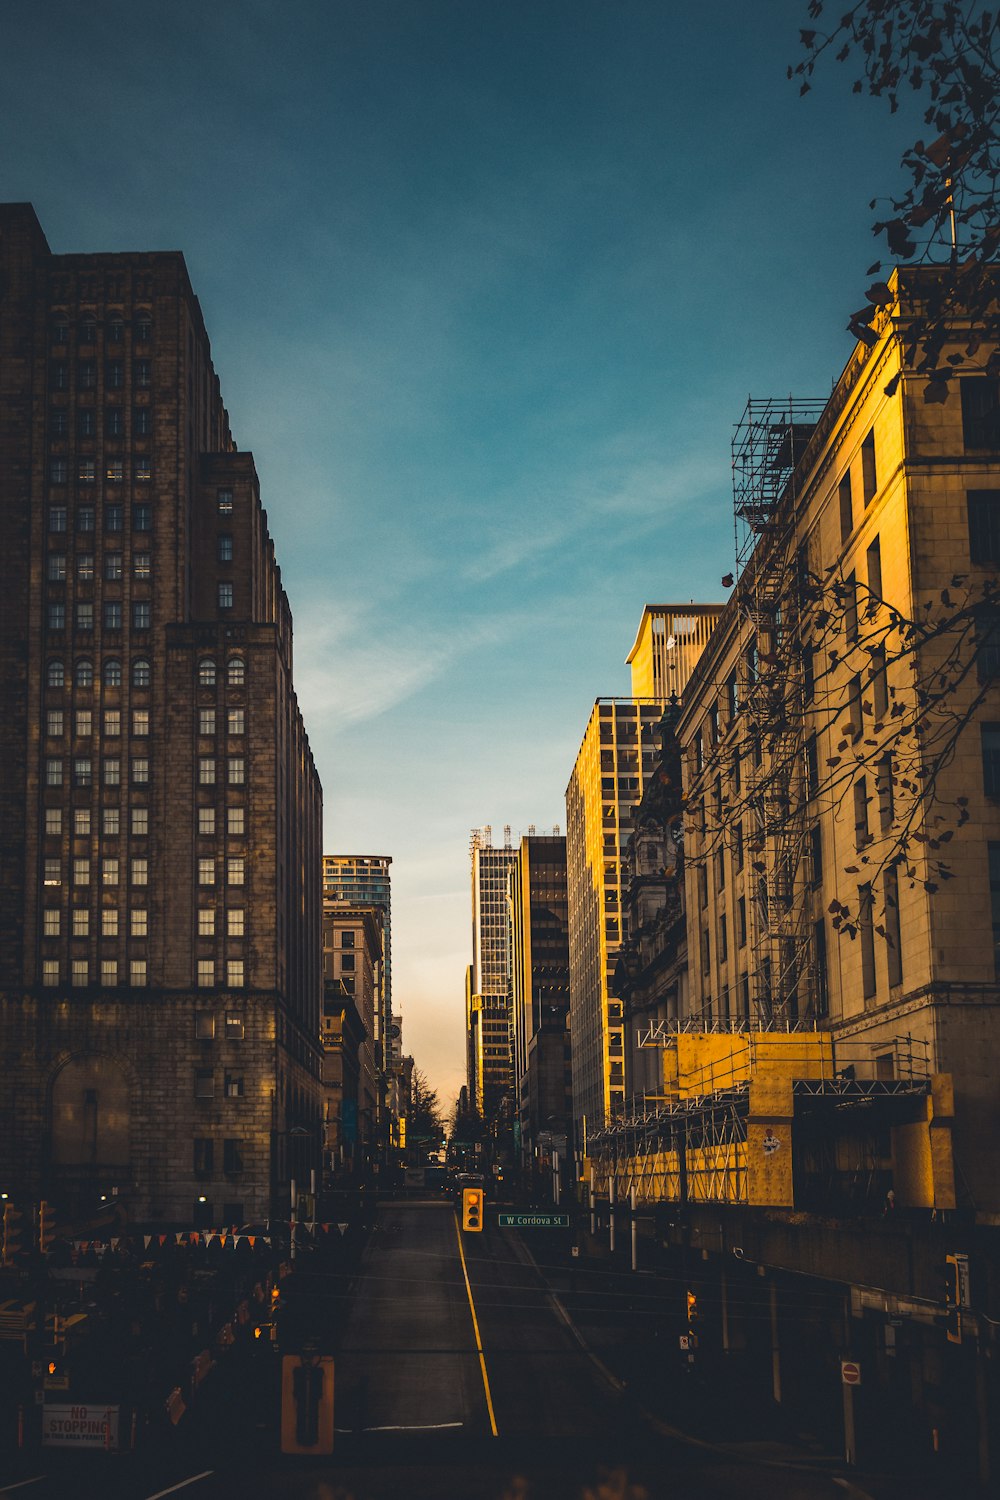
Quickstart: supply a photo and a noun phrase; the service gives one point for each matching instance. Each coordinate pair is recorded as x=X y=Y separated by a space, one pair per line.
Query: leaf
x=879 y=294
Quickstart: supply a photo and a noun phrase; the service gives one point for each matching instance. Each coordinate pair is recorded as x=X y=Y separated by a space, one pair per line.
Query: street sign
x=80 y=1427
x=533 y=1221
x=850 y=1372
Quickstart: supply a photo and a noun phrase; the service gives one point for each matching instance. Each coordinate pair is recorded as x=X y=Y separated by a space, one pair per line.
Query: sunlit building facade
x=540 y=987
x=489 y=1002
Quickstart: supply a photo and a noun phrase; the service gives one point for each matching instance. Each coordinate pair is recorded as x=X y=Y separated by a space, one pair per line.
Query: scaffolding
x=772 y=590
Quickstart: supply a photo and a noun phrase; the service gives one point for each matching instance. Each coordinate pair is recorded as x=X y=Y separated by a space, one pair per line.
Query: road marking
x=475 y=1329
x=183 y=1484
x=414 y=1427
x=5 y=1490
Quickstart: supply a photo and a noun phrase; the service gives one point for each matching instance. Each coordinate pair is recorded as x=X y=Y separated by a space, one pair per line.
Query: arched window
x=142 y=327
x=55 y=675
x=87 y=333
x=112 y=672
x=206 y=672
x=236 y=671
x=140 y=672
x=83 y=673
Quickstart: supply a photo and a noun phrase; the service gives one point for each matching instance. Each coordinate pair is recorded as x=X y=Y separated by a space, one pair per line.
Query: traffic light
x=46 y=1225
x=692 y=1307
x=954 y=1276
x=472 y=1208
x=11 y=1234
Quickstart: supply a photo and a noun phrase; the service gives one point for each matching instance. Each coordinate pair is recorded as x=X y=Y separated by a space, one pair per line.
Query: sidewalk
x=624 y=1321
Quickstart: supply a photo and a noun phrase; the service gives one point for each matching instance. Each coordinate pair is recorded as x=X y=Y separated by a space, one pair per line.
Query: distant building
x=365 y=880
x=352 y=960
x=160 y=812
x=489 y=1001
x=540 y=987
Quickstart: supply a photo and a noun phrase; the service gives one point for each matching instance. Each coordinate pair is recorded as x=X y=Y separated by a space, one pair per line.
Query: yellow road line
x=475 y=1329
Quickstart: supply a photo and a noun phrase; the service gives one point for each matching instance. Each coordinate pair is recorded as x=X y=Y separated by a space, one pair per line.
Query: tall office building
x=615 y=761
x=160 y=812
x=490 y=995
x=540 y=986
x=364 y=880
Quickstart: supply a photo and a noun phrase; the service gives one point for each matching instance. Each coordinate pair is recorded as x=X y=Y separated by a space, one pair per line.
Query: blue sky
x=488 y=283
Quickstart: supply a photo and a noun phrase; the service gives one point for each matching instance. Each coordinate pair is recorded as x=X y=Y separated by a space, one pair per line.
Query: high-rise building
x=364 y=880
x=610 y=776
x=352 y=962
x=540 y=986
x=490 y=998
x=160 y=812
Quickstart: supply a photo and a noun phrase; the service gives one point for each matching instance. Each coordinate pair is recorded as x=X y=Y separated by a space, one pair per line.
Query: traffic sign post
x=850 y=1379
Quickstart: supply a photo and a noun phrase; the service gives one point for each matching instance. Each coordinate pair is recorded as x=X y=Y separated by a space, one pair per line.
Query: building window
x=206 y=721
x=225 y=546
x=141 y=673
x=822 y=971
x=206 y=921
x=206 y=672
x=51 y=922
x=236 y=671
x=206 y=821
x=142 y=421
x=57 y=567
x=57 y=518
x=235 y=922
x=115 y=330
x=85 y=618
x=113 y=567
x=140 y=770
x=347 y=962
x=142 y=518
x=85 y=518
x=869 y=478
x=50 y=972
x=986 y=620
x=110 y=821
x=893 y=941
x=112 y=771
x=234 y=1086
x=143 y=326
x=55 y=674
x=54 y=725
x=112 y=672
x=866 y=933
x=980 y=413
x=142 y=614
x=59 y=374
x=53 y=771
x=850 y=595
x=85 y=567
x=879 y=683
x=52 y=872
x=204 y=1027
x=58 y=422
x=206 y=973
x=142 y=373
x=142 y=566
x=79 y=972
x=232 y=1157
x=234 y=973
x=204 y=1080
x=113 y=615
x=139 y=922
x=114 y=518
x=84 y=723
x=723 y=939
x=235 y=820
x=225 y=594
x=235 y=867
x=112 y=723
x=53 y=820
x=204 y=1156
x=137 y=972
x=109 y=922
x=984 y=526
x=706 y=961
x=224 y=501
x=237 y=773
x=994 y=868
x=109 y=971
x=81 y=822
x=741 y=922
x=990 y=736
x=140 y=821
x=109 y=870
x=235 y=721
x=114 y=375
x=140 y=722
x=862 y=836
x=206 y=871
x=874 y=560
x=83 y=770
x=86 y=471
x=140 y=871
x=81 y=922
x=114 y=422
x=86 y=422
x=206 y=770
x=114 y=471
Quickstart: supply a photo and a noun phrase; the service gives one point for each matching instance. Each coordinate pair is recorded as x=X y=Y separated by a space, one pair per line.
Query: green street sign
x=533 y=1221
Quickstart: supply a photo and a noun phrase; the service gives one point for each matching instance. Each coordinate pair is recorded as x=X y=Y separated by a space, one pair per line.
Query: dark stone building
x=160 y=813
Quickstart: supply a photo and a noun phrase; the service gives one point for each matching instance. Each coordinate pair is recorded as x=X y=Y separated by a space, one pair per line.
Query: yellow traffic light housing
x=692 y=1306
x=473 y=1200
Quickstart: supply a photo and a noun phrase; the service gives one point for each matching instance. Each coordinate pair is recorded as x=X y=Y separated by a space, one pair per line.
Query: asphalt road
x=453 y=1382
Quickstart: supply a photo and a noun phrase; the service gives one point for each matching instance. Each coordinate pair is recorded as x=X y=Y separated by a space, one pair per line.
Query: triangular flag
x=342 y=1228
x=253 y=1240
x=146 y=1239
x=162 y=1238
x=178 y=1237
x=115 y=1244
